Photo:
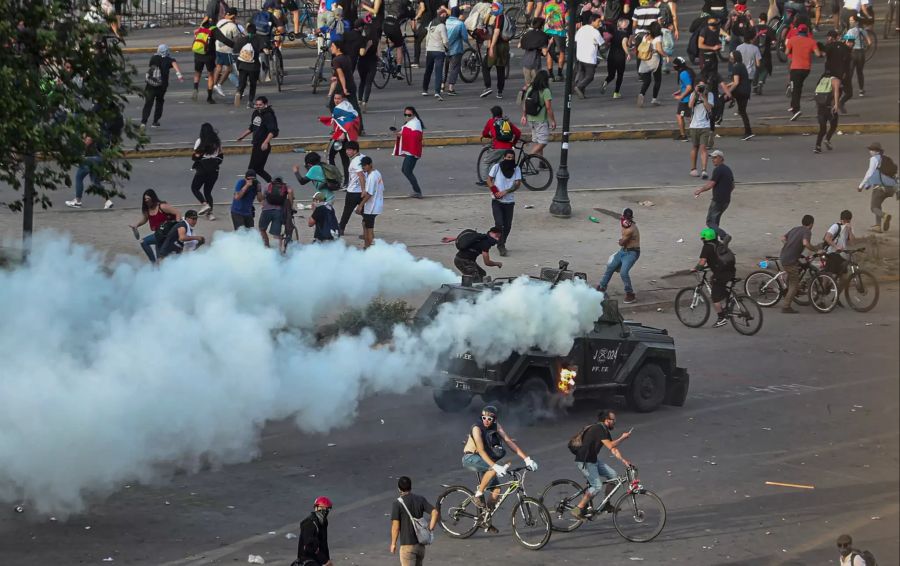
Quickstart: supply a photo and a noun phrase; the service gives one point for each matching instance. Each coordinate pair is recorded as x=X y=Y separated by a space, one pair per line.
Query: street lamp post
x=561 y=207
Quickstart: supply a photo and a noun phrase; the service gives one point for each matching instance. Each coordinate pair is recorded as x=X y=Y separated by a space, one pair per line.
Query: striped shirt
x=644 y=16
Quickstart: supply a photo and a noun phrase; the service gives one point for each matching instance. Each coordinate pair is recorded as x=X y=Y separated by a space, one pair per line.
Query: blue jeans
x=595 y=474
x=623 y=261
x=83 y=171
x=476 y=463
x=409 y=164
x=147 y=245
x=714 y=217
x=434 y=63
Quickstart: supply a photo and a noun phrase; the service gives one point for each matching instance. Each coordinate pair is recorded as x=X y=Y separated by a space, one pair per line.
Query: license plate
x=463 y=385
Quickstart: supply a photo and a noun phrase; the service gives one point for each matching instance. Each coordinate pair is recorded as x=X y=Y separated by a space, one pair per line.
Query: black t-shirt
x=472 y=252
x=343 y=63
x=615 y=47
x=419 y=507
x=837 y=60
x=724 y=179
x=262 y=123
x=710 y=36
x=321 y=215
x=592 y=443
x=431 y=9
x=353 y=40
x=173 y=245
x=165 y=65
x=743 y=87
x=708 y=252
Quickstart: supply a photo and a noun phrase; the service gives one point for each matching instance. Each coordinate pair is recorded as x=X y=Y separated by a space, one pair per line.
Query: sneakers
x=601 y=288
x=603 y=87
x=438 y=97
x=451 y=92
x=796 y=115
x=617 y=95
x=491 y=529
x=415 y=195
x=875 y=228
x=748 y=137
x=424 y=93
x=694 y=173
x=211 y=217
x=478 y=500
x=654 y=102
x=640 y=101
x=108 y=204
x=578 y=513
x=578 y=92
x=629 y=298
x=828 y=145
x=559 y=76
x=363 y=105
x=862 y=93
x=219 y=91
x=486 y=92
x=721 y=321
x=681 y=138
x=204 y=209
x=886 y=223
x=499 y=95
x=704 y=175
x=502 y=249
x=817 y=149
x=73 y=203
x=210 y=101
x=154 y=125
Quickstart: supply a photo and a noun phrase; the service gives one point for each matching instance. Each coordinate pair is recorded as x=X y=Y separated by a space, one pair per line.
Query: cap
x=740 y=8
x=803 y=28
x=322 y=502
x=250 y=173
x=875 y=146
x=628 y=213
x=232 y=11
x=679 y=62
x=717 y=153
x=845 y=539
x=708 y=234
x=848 y=37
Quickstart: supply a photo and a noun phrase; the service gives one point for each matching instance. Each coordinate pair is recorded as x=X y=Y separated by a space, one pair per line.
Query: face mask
x=873 y=153
x=626 y=223
x=508 y=167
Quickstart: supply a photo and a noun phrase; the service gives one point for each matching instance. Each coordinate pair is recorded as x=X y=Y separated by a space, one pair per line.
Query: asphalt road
x=811 y=400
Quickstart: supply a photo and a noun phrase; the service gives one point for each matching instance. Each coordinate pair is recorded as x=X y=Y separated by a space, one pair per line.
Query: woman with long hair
x=408 y=145
x=617 y=58
x=652 y=67
x=156 y=212
x=207 y=158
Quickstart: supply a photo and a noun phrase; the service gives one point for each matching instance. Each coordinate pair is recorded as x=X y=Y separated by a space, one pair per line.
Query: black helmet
x=679 y=63
x=491 y=410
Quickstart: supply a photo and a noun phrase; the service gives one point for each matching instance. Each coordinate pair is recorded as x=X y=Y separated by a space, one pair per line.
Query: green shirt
x=541 y=116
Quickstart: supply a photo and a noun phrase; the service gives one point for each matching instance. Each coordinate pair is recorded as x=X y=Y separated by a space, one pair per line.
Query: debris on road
x=256 y=559
x=797 y=485
x=108 y=559
x=679 y=241
x=20 y=509
x=646 y=203
x=290 y=536
x=529 y=206
x=331 y=444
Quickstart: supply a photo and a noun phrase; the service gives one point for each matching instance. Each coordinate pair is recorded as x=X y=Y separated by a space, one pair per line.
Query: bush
x=380 y=316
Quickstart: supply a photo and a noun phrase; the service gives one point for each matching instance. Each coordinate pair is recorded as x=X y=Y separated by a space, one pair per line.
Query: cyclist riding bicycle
x=594 y=470
x=484 y=449
x=716 y=256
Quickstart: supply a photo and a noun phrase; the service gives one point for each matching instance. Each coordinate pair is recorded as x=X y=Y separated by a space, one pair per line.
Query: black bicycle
x=388 y=67
x=692 y=306
x=472 y=62
x=537 y=173
x=862 y=290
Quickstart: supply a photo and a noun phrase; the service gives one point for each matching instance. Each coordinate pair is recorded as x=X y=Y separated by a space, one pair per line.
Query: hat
x=844 y=539
x=496 y=8
x=232 y=11
x=803 y=28
x=250 y=173
x=717 y=153
x=628 y=213
x=162 y=50
x=740 y=8
x=875 y=146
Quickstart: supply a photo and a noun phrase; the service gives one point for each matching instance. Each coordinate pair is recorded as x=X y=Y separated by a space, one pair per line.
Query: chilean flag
x=409 y=142
x=344 y=120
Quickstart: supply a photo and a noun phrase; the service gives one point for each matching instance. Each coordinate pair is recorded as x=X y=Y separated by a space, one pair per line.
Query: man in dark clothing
x=312 y=549
x=342 y=78
x=264 y=127
x=594 y=470
x=157 y=83
x=466 y=258
x=181 y=237
x=795 y=241
x=402 y=531
x=722 y=184
x=247 y=50
x=207 y=59
x=837 y=65
x=716 y=256
x=709 y=44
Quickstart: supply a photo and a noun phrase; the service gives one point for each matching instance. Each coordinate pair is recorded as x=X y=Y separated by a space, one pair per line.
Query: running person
x=594 y=470
x=207 y=157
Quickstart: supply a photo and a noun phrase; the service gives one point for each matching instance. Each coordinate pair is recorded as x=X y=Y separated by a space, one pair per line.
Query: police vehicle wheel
x=647 y=389
x=452 y=401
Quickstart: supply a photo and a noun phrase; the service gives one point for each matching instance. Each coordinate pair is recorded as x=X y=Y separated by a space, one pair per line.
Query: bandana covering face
x=508 y=168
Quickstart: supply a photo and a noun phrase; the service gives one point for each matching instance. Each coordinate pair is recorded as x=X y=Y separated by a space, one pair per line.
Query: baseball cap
x=232 y=11
x=717 y=153
x=250 y=173
x=628 y=213
x=803 y=28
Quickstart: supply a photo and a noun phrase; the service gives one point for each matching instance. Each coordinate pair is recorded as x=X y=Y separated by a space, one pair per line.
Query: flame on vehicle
x=566 y=383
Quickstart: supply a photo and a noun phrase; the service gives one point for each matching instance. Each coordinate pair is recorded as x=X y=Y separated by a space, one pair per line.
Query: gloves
x=531 y=464
x=500 y=470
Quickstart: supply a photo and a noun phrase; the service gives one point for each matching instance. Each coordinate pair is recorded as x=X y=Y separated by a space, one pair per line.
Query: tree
x=63 y=82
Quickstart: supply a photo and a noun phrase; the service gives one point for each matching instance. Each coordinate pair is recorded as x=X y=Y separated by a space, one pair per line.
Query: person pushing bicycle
x=484 y=449
x=594 y=470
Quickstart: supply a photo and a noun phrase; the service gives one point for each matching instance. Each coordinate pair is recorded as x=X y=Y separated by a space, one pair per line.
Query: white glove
x=531 y=464
x=500 y=470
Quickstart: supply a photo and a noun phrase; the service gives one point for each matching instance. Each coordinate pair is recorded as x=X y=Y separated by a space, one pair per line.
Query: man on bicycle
x=483 y=450
x=594 y=470
x=716 y=256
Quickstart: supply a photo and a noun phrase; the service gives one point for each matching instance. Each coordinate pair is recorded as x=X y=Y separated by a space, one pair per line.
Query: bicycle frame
x=630 y=480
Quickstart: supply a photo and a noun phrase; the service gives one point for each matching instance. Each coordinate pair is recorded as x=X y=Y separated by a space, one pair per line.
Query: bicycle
x=307 y=19
x=692 y=306
x=816 y=287
x=388 y=67
x=461 y=517
x=862 y=289
x=866 y=26
x=472 y=62
x=537 y=173
x=319 y=67
x=637 y=507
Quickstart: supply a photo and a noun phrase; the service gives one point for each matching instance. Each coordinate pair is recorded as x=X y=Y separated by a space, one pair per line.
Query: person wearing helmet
x=717 y=257
x=483 y=451
x=312 y=549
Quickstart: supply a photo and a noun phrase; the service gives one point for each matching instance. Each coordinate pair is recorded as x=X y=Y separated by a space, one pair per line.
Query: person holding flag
x=344 y=123
x=408 y=145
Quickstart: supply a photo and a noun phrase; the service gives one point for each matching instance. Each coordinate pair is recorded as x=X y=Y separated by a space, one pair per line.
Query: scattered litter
x=231 y=506
x=767 y=428
x=151 y=161
x=876 y=518
x=646 y=203
x=299 y=150
x=256 y=559
x=658 y=309
x=108 y=559
x=290 y=536
x=797 y=485
x=840 y=132
x=450 y=179
x=272 y=533
x=223 y=188
x=87 y=528
x=594 y=219
x=636 y=558
x=710 y=462
x=20 y=509
x=765 y=159
x=382 y=421
x=768 y=532
x=868 y=324
x=529 y=206
x=167 y=503
x=768 y=233
x=807 y=134
x=312 y=475
x=857 y=406
x=331 y=444
x=679 y=241
x=53 y=519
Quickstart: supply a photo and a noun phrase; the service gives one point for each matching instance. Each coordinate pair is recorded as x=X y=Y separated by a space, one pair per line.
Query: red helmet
x=322 y=502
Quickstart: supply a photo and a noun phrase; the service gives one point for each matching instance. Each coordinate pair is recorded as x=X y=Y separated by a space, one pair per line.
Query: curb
x=320 y=144
x=187 y=48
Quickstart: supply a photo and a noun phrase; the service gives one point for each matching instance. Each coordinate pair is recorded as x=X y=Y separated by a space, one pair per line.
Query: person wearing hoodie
x=313 y=544
x=264 y=127
x=248 y=49
x=504 y=179
x=158 y=83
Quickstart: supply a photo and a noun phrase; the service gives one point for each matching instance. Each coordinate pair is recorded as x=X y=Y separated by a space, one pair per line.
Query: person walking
x=800 y=49
x=624 y=259
x=617 y=58
x=534 y=44
x=588 y=42
x=686 y=80
x=504 y=179
x=356 y=181
x=751 y=56
x=207 y=158
x=739 y=90
x=312 y=547
x=555 y=12
x=722 y=185
x=372 y=202
x=91 y=162
x=709 y=44
x=795 y=241
x=225 y=51
x=828 y=95
x=248 y=49
x=503 y=135
x=436 y=46
x=407 y=508
x=456 y=45
x=157 y=83
x=470 y=245
x=367 y=64
x=497 y=52
x=342 y=79
x=537 y=111
x=156 y=213
x=204 y=47
x=861 y=40
x=264 y=127
x=345 y=125
x=645 y=14
x=408 y=145
x=881 y=178
x=700 y=129
x=276 y=199
x=651 y=55
x=245 y=194
x=763 y=41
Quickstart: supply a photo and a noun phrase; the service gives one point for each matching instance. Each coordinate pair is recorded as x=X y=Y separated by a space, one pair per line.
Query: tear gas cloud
x=120 y=376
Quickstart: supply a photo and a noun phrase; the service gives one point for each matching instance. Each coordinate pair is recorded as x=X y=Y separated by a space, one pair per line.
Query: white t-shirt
x=749 y=54
x=587 y=42
x=855 y=5
x=851 y=560
x=840 y=240
x=375 y=187
x=355 y=168
x=700 y=118
x=503 y=183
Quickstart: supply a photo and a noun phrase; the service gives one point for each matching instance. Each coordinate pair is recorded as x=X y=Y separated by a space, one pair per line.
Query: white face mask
x=873 y=153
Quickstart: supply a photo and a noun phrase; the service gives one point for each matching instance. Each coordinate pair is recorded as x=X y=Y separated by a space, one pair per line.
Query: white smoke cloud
x=123 y=376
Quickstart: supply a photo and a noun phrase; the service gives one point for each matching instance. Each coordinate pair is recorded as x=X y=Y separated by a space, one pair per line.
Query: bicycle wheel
x=514 y=14
x=459 y=514
x=692 y=307
x=537 y=173
x=307 y=33
x=763 y=287
x=317 y=71
x=746 y=316
x=640 y=516
x=862 y=291
x=823 y=293
x=872 y=47
x=480 y=165
x=531 y=523
x=279 y=68
x=560 y=497
x=469 y=66
x=806 y=277
x=382 y=75
x=407 y=66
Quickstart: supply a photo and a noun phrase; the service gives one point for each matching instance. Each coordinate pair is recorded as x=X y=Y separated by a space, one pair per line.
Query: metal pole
x=561 y=207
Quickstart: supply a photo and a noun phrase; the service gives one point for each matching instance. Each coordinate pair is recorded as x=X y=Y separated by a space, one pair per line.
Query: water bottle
x=764 y=264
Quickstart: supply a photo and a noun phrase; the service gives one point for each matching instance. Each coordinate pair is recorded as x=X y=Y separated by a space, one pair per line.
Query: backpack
x=247 y=53
x=201 y=40
x=612 y=10
x=154 y=76
x=334 y=177
x=467 y=238
x=577 y=441
x=508 y=30
x=887 y=168
x=420 y=526
x=493 y=444
x=534 y=103
x=276 y=193
x=762 y=38
x=824 y=90
x=503 y=131
x=163 y=232
x=263 y=22
x=329 y=229
x=740 y=26
x=693 y=46
x=474 y=20
x=644 y=50
x=665 y=15
x=866 y=555
x=725 y=256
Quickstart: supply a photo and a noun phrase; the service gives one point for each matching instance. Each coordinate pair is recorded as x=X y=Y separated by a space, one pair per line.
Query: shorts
x=557 y=45
x=540 y=132
x=271 y=219
x=684 y=110
x=200 y=64
x=476 y=463
x=369 y=221
x=595 y=473
x=240 y=221
x=701 y=136
x=835 y=263
x=224 y=59
x=529 y=74
x=719 y=285
x=392 y=31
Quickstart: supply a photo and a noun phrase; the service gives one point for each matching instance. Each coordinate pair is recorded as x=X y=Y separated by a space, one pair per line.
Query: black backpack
x=665 y=14
x=887 y=168
x=467 y=238
x=725 y=256
x=163 y=232
x=613 y=10
x=577 y=441
x=533 y=102
x=693 y=46
x=277 y=194
x=866 y=555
